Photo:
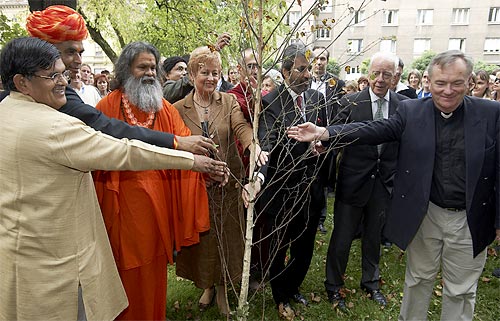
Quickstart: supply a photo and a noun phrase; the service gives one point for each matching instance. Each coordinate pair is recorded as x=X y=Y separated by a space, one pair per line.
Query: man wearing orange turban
x=65 y=28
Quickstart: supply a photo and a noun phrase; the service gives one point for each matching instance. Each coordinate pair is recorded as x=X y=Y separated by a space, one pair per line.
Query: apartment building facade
x=353 y=30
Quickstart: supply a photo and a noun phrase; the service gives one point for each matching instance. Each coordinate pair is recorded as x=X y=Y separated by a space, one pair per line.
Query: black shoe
x=496 y=272
x=335 y=298
x=299 y=298
x=377 y=296
x=322 y=229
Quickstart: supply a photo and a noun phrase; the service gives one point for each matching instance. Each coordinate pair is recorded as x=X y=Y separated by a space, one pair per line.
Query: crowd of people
x=108 y=178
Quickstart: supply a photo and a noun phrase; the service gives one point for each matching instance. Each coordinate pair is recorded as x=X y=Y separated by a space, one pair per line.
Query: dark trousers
x=260 y=245
x=346 y=222
x=324 y=210
x=294 y=230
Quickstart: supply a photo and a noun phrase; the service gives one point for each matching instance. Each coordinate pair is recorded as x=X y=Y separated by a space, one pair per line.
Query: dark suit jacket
x=360 y=164
x=409 y=92
x=290 y=162
x=413 y=126
x=225 y=86
x=96 y=119
x=334 y=90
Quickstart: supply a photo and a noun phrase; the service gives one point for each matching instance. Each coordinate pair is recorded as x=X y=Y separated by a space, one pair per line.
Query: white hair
x=386 y=56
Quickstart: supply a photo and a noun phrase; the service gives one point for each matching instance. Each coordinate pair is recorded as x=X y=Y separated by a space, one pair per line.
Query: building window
x=327 y=8
x=355 y=45
x=421 y=45
x=456 y=44
x=388 y=45
x=424 y=16
x=358 y=18
x=390 y=17
x=492 y=45
x=352 y=70
x=98 y=51
x=494 y=16
x=323 y=33
x=460 y=16
x=293 y=18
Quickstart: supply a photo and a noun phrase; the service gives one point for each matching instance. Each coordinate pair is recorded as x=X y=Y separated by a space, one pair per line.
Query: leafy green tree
x=176 y=27
x=9 y=30
x=363 y=68
x=423 y=61
x=481 y=65
x=333 y=67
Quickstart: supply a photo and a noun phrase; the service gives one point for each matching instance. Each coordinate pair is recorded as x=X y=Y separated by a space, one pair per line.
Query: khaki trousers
x=443 y=240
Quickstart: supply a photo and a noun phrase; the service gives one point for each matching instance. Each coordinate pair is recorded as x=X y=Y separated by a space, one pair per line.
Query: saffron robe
x=147 y=214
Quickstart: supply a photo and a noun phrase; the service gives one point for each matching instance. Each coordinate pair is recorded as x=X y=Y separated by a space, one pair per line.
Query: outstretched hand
x=307 y=132
x=196 y=144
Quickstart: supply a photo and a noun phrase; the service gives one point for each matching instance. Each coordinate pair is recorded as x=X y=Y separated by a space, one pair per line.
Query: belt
x=454 y=209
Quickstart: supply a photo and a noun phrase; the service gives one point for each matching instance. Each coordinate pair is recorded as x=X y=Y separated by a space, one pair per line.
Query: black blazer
x=96 y=119
x=334 y=90
x=360 y=164
x=290 y=162
x=413 y=126
x=409 y=92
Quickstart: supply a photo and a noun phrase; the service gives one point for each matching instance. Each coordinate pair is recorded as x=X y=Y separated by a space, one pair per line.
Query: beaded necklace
x=128 y=114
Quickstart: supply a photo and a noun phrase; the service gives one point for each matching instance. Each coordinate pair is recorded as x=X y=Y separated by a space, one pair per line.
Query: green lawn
x=183 y=296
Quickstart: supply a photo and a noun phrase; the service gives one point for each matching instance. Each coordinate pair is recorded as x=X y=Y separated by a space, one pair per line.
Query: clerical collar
x=450 y=114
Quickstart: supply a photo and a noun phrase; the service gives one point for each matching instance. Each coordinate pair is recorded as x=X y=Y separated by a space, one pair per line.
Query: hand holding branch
x=223 y=40
x=211 y=166
x=261 y=156
x=196 y=144
x=246 y=195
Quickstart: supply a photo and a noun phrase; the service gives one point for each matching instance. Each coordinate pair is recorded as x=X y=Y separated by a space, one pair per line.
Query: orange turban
x=56 y=24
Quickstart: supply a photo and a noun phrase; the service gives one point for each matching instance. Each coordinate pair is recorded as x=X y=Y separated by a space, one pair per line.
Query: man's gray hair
x=129 y=53
x=448 y=57
x=386 y=56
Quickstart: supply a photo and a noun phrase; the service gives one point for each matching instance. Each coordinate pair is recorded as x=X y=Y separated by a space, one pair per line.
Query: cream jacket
x=52 y=236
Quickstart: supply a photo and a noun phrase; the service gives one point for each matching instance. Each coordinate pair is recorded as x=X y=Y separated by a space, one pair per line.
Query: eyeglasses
x=252 y=66
x=302 y=69
x=56 y=77
x=497 y=81
x=385 y=75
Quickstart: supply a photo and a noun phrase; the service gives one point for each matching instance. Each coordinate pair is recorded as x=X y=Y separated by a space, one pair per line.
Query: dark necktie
x=298 y=101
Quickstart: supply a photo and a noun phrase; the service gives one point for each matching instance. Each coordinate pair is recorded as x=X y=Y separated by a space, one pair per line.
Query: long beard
x=145 y=93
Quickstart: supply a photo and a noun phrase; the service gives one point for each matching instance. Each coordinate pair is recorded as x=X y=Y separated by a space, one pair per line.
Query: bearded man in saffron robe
x=147 y=213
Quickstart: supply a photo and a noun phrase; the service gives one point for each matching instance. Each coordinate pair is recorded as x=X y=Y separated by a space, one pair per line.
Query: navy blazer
x=413 y=126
